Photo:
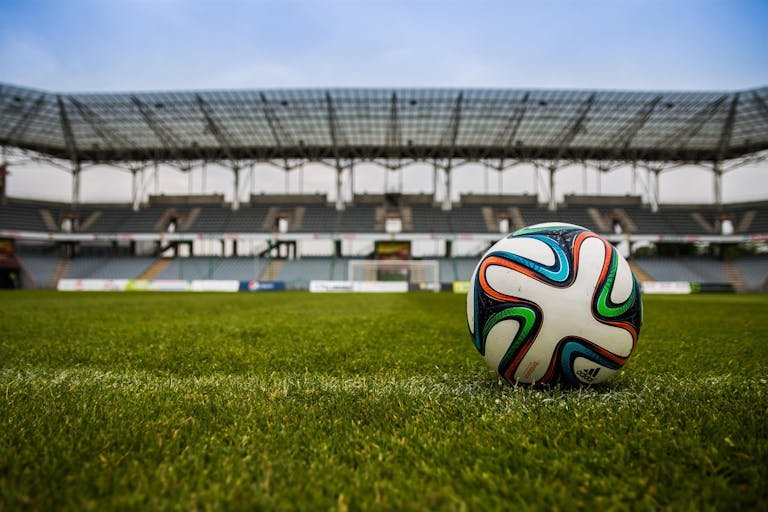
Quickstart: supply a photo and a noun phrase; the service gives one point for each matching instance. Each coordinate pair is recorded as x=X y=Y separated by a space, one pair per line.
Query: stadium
x=284 y=311
x=278 y=238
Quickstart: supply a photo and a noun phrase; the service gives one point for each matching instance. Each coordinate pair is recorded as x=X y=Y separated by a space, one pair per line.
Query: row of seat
x=677 y=220
x=300 y=271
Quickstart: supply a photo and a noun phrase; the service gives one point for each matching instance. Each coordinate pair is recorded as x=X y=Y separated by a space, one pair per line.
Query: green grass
x=291 y=400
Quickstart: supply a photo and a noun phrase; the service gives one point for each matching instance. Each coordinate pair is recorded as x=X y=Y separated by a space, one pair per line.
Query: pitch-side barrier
x=322 y=286
x=167 y=285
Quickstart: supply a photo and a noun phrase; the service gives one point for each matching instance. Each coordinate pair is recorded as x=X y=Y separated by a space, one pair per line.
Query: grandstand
x=300 y=237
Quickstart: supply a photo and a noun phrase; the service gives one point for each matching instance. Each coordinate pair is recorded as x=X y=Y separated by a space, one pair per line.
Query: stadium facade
x=243 y=130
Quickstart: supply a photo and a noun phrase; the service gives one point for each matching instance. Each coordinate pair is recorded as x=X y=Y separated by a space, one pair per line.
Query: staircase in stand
x=746 y=221
x=60 y=272
x=271 y=270
x=734 y=276
x=48 y=220
x=155 y=268
x=406 y=217
x=626 y=222
x=518 y=221
x=599 y=220
x=640 y=274
x=490 y=219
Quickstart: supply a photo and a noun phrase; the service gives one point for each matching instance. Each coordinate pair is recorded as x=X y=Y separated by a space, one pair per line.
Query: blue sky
x=111 y=45
x=166 y=44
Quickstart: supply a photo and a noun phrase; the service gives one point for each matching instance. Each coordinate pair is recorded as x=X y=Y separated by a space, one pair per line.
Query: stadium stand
x=456 y=269
x=109 y=267
x=358 y=219
x=428 y=219
x=40 y=268
x=755 y=272
x=693 y=269
x=303 y=270
x=470 y=216
x=24 y=215
x=213 y=268
x=298 y=272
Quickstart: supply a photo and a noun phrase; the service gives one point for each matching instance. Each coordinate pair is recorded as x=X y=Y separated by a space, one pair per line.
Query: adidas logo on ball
x=588 y=375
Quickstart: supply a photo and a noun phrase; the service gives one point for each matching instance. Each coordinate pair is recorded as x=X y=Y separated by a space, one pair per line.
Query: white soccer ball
x=553 y=303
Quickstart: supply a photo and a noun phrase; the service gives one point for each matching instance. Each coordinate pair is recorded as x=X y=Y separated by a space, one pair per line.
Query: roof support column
x=501 y=180
x=552 y=206
x=3 y=176
x=352 y=180
x=599 y=187
x=718 y=184
x=203 y=178
x=447 y=191
x=584 y=179
x=435 y=178
x=655 y=191
x=339 y=189
x=634 y=178
x=157 y=178
x=301 y=178
x=75 y=184
x=236 y=188
x=135 y=188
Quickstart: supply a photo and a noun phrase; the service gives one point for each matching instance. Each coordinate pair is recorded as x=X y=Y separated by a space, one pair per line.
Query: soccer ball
x=554 y=303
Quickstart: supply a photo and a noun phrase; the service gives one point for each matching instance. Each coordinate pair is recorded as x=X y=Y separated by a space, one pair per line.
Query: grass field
x=292 y=400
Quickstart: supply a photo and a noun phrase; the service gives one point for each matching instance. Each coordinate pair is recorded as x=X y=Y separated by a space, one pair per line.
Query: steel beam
x=216 y=129
x=552 y=206
x=66 y=129
x=508 y=134
x=339 y=188
x=690 y=130
x=725 y=135
x=281 y=136
x=761 y=104
x=335 y=134
x=236 y=188
x=626 y=134
x=447 y=191
x=655 y=191
x=718 y=184
x=75 y=184
x=451 y=133
x=167 y=139
x=566 y=136
x=634 y=178
x=450 y=136
x=16 y=133
x=394 y=139
x=135 y=187
x=105 y=133
x=435 y=179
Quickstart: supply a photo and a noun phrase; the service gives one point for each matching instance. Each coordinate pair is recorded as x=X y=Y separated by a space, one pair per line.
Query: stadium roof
x=405 y=124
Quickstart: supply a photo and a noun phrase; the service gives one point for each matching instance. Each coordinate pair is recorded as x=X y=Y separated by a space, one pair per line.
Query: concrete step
x=735 y=276
x=60 y=272
x=272 y=270
x=155 y=268
x=640 y=274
